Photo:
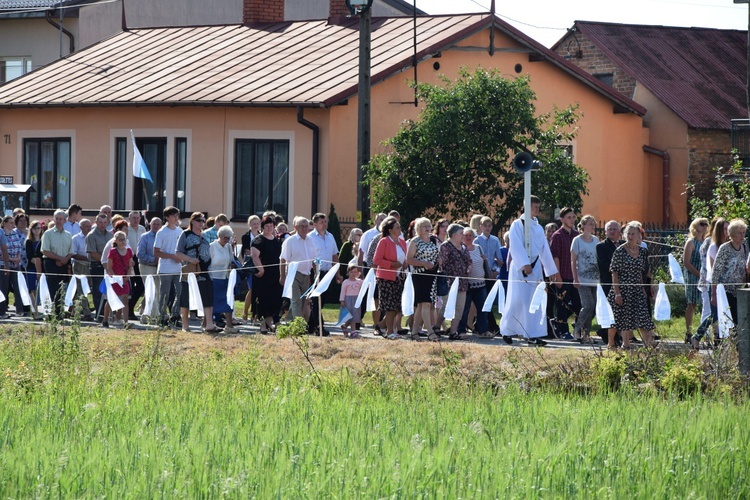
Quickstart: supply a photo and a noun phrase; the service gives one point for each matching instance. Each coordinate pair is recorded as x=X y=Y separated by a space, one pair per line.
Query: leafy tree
x=456 y=159
x=730 y=197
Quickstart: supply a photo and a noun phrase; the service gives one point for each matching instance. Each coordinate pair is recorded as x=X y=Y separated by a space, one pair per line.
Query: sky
x=546 y=20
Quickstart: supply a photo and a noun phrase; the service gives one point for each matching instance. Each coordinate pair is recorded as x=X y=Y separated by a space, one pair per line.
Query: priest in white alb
x=524 y=275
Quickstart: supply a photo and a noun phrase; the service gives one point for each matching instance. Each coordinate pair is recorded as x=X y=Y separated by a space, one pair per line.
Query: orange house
x=243 y=118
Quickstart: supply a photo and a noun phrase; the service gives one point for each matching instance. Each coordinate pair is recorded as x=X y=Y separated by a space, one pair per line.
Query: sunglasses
x=704 y=224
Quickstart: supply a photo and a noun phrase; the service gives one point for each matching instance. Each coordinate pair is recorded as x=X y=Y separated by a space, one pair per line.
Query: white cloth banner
x=196 y=304
x=2 y=296
x=230 y=288
x=497 y=291
x=114 y=301
x=326 y=281
x=149 y=292
x=723 y=311
x=291 y=272
x=539 y=301
x=450 y=303
x=407 y=298
x=368 y=287
x=605 y=316
x=674 y=270
x=44 y=297
x=85 y=288
x=662 y=308
x=23 y=290
x=70 y=293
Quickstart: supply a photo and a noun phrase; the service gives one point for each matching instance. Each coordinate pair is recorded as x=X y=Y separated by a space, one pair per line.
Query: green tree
x=456 y=159
x=730 y=198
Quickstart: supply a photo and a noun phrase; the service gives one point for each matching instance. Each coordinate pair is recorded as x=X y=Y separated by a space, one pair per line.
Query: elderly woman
x=390 y=259
x=266 y=253
x=422 y=255
x=455 y=264
x=195 y=253
x=585 y=275
x=253 y=224
x=476 y=293
x=692 y=260
x=731 y=265
x=348 y=250
x=627 y=296
x=218 y=269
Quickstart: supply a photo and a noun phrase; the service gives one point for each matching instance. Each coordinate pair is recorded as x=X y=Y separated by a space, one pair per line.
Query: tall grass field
x=84 y=423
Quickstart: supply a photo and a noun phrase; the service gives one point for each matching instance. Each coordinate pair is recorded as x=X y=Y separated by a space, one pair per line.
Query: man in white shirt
x=169 y=266
x=81 y=264
x=72 y=225
x=328 y=253
x=299 y=248
x=364 y=242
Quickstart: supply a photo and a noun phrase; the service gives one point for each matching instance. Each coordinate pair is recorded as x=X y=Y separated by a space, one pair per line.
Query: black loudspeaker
x=523 y=162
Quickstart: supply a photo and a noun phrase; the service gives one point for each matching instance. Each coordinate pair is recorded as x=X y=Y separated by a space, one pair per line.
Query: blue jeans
x=477 y=296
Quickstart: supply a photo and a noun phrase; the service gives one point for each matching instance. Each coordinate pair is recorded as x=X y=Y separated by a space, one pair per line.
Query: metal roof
x=306 y=63
x=699 y=73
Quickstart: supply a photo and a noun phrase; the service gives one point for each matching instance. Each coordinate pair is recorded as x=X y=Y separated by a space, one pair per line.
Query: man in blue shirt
x=490 y=246
x=147 y=262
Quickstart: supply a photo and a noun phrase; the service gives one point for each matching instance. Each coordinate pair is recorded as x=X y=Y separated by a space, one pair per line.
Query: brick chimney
x=338 y=9
x=262 y=11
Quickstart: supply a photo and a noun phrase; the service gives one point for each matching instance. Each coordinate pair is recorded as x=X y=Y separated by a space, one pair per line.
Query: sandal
x=213 y=329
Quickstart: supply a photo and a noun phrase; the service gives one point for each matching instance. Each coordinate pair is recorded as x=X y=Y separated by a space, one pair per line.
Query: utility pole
x=361 y=8
x=747 y=87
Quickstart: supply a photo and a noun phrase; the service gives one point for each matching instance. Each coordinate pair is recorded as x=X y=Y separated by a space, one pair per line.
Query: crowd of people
x=449 y=267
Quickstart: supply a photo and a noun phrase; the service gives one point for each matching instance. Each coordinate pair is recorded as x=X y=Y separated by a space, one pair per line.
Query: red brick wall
x=338 y=9
x=262 y=11
x=593 y=61
x=707 y=149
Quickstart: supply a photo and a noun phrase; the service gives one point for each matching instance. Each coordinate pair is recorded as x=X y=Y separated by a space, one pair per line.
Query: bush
x=683 y=378
x=609 y=371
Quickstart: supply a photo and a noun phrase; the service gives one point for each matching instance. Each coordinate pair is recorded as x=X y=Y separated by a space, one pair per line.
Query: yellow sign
x=358 y=217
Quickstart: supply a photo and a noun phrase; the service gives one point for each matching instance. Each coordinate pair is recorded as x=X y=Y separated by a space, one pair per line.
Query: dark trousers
x=316 y=303
x=5 y=278
x=136 y=288
x=567 y=303
x=57 y=281
x=97 y=276
x=476 y=296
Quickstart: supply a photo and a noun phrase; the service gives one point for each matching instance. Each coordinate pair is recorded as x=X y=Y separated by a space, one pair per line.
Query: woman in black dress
x=265 y=251
x=627 y=296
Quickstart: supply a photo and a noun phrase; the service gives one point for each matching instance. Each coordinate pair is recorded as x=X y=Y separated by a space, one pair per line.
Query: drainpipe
x=665 y=180
x=315 y=155
x=48 y=16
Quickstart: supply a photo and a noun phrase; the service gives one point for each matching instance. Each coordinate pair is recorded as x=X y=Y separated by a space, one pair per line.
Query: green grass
x=82 y=424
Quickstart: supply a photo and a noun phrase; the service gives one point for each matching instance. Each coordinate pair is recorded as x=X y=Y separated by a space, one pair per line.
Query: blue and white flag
x=139 y=166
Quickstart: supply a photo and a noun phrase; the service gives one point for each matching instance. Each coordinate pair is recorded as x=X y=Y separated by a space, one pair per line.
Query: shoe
x=458 y=336
x=213 y=329
x=220 y=324
x=568 y=336
x=354 y=335
x=88 y=317
x=433 y=337
x=688 y=338
x=486 y=335
x=393 y=336
x=231 y=329
x=403 y=331
x=265 y=332
x=378 y=331
x=657 y=337
x=105 y=325
x=507 y=340
x=537 y=342
x=5 y=316
x=118 y=323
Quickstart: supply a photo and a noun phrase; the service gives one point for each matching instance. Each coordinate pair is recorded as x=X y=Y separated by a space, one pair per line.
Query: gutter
x=665 y=180
x=48 y=17
x=315 y=155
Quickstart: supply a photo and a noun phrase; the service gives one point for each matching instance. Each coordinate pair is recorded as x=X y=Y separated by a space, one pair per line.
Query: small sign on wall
x=6 y=179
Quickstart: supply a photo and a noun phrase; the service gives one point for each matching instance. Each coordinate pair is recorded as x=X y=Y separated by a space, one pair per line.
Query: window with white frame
x=13 y=67
x=261 y=180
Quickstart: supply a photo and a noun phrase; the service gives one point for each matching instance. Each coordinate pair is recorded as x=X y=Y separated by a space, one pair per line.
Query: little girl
x=349 y=292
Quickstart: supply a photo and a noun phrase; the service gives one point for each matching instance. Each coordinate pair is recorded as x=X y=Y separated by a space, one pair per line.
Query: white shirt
x=79 y=246
x=166 y=241
x=72 y=227
x=295 y=249
x=326 y=248
x=221 y=258
x=134 y=236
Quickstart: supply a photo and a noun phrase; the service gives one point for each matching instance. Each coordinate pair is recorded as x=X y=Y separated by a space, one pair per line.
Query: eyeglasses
x=199 y=220
x=703 y=224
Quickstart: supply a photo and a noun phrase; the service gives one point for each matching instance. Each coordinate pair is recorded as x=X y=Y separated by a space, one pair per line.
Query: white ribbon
x=195 y=303
x=85 y=288
x=723 y=311
x=2 y=296
x=368 y=288
x=149 y=292
x=407 y=297
x=539 y=300
x=230 y=288
x=44 y=296
x=605 y=316
x=71 y=292
x=662 y=308
x=114 y=301
x=497 y=290
x=291 y=272
x=326 y=281
x=23 y=290
x=450 y=304
x=674 y=270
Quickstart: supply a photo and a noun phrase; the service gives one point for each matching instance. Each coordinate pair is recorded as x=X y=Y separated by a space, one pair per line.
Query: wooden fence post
x=743 y=329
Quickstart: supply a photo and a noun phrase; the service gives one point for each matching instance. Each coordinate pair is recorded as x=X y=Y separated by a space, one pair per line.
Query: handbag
x=488 y=274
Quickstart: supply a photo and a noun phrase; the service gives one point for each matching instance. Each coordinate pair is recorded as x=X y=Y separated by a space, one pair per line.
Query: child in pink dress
x=119 y=263
x=349 y=291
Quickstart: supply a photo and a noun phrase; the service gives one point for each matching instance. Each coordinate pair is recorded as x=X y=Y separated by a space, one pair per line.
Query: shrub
x=683 y=378
x=609 y=371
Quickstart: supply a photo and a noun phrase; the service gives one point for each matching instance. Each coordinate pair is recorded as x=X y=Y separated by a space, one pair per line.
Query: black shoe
x=537 y=342
x=220 y=324
x=658 y=337
x=507 y=340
